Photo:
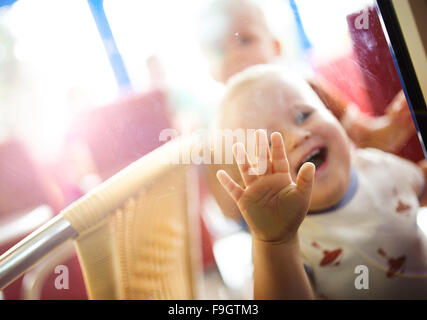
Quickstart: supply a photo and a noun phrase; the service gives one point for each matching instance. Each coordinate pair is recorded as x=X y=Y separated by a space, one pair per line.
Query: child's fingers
x=278 y=154
x=305 y=179
x=263 y=152
x=243 y=164
x=398 y=105
x=233 y=189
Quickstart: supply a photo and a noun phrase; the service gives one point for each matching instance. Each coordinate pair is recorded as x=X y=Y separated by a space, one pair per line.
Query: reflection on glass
x=192 y=68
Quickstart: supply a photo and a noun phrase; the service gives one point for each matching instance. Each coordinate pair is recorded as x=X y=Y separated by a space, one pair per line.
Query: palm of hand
x=272 y=204
x=275 y=204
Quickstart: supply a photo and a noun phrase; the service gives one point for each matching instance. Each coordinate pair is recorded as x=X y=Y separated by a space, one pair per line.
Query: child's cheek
x=329 y=131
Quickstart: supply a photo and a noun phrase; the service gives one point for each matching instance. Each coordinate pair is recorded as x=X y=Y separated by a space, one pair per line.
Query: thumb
x=305 y=179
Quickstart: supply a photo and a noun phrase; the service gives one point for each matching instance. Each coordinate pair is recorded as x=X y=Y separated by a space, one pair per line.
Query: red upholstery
x=23 y=186
x=381 y=79
x=122 y=132
x=343 y=75
x=372 y=57
x=21 y=182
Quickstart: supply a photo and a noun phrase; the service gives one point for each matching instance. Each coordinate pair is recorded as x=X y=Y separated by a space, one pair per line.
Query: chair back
x=138 y=231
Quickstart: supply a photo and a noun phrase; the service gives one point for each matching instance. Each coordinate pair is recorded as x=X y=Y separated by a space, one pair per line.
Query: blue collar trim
x=351 y=191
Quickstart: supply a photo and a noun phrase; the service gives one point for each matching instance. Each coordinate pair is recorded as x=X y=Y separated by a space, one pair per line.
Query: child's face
x=245 y=42
x=310 y=131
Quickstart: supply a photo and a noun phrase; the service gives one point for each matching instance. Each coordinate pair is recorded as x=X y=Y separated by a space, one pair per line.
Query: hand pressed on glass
x=272 y=204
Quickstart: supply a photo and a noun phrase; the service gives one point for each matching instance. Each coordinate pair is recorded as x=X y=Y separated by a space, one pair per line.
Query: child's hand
x=271 y=203
x=389 y=132
x=398 y=110
x=398 y=123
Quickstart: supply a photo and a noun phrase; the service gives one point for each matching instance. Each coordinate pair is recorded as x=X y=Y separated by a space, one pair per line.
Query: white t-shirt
x=375 y=227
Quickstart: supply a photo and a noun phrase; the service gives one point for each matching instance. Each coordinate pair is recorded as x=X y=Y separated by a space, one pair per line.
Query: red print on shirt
x=402 y=208
x=395 y=265
x=330 y=257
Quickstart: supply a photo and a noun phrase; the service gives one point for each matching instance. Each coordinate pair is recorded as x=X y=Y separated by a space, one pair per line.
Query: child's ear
x=277 y=47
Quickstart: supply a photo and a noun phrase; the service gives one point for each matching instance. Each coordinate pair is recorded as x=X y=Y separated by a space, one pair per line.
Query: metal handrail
x=22 y=256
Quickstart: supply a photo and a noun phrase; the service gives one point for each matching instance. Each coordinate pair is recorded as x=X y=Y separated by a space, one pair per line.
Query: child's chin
x=323 y=202
x=330 y=188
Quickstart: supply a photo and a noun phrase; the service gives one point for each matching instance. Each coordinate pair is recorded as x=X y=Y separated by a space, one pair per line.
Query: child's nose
x=298 y=138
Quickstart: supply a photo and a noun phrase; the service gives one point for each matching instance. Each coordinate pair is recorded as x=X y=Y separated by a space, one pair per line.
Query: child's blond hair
x=243 y=80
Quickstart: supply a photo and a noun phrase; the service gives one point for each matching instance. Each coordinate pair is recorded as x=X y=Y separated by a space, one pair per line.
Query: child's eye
x=301 y=117
x=242 y=39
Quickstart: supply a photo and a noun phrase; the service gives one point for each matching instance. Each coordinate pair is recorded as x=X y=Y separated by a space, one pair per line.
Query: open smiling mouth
x=318 y=157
